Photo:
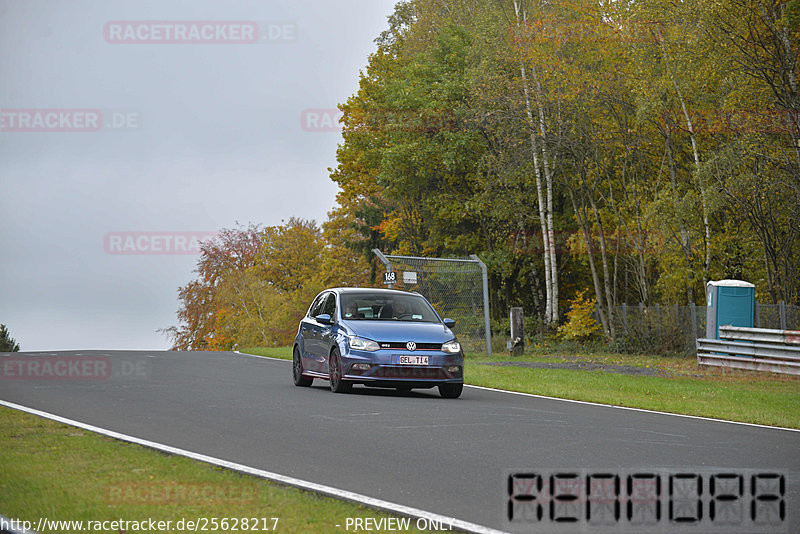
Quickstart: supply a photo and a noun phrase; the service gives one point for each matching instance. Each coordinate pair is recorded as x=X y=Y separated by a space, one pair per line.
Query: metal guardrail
x=757 y=349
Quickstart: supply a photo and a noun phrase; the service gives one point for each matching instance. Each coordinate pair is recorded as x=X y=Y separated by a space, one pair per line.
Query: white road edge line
x=261 y=357
x=589 y=403
x=274 y=477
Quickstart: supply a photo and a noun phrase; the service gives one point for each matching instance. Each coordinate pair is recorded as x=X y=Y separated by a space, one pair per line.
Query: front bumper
x=384 y=368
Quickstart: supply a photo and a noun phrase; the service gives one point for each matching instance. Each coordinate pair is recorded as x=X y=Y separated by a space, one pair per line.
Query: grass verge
x=55 y=471
x=283 y=353
x=681 y=386
x=750 y=401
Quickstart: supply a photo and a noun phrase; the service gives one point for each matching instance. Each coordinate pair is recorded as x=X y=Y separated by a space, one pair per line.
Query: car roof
x=370 y=290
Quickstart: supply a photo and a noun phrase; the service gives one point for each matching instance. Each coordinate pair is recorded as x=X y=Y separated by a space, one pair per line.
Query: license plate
x=412 y=360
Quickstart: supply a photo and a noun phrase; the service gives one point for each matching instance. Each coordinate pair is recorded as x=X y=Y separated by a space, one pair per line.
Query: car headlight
x=453 y=347
x=359 y=343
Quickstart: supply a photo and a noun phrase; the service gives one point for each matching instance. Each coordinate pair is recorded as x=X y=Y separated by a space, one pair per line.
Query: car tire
x=451 y=391
x=297 y=370
x=335 y=365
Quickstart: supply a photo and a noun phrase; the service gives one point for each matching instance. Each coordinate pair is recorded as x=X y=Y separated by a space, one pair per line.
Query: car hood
x=400 y=331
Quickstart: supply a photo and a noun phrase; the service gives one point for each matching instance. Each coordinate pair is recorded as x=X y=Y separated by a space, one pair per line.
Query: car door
x=309 y=331
x=326 y=331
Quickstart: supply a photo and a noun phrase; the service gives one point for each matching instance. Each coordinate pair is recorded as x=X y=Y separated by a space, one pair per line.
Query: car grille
x=410 y=372
x=402 y=345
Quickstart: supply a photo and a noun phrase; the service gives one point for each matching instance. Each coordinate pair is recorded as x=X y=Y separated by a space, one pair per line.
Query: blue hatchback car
x=378 y=338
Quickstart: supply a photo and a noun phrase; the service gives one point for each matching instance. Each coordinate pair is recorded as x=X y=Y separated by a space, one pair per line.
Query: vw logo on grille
x=411 y=345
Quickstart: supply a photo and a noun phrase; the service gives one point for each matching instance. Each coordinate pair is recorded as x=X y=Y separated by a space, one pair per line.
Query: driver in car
x=401 y=310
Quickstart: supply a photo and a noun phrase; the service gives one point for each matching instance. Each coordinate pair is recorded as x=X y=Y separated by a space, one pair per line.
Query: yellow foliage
x=580 y=320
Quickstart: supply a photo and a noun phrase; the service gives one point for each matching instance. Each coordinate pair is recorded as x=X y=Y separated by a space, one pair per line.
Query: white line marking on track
x=590 y=403
x=261 y=357
x=274 y=477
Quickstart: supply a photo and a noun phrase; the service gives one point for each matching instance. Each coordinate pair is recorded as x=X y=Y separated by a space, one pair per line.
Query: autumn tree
x=7 y=343
x=232 y=250
x=254 y=285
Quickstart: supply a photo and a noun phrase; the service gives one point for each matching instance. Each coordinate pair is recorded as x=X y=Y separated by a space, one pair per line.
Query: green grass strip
x=764 y=402
x=65 y=473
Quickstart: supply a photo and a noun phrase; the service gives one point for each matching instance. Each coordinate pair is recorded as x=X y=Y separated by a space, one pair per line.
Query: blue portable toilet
x=729 y=302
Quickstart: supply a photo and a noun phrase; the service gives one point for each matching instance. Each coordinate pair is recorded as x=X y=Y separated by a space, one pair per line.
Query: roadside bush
x=580 y=319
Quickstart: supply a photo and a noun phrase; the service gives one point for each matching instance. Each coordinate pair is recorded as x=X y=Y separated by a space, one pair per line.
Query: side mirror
x=324 y=318
x=449 y=323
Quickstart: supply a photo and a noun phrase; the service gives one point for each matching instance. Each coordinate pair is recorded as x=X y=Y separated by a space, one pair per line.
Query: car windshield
x=388 y=307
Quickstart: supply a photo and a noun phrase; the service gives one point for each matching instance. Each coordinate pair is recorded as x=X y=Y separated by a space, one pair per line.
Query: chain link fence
x=676 y=328
x=457 y=289
x=777 y=316
x=658 y=328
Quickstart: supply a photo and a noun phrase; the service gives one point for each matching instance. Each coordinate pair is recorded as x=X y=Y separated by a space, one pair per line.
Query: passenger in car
x=351 y=312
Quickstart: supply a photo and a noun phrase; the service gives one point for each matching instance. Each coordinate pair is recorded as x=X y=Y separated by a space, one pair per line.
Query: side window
x=316 y=308
x=330 y=305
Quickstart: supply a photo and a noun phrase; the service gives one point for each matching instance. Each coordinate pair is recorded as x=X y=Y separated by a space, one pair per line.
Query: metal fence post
x=486 y=321
x=693 y=309
x=386 y=262
x=782 y=309
x=758 y=315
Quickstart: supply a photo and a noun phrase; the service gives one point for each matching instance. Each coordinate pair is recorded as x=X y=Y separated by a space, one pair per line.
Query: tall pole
x=386 y=262
x=486 y=323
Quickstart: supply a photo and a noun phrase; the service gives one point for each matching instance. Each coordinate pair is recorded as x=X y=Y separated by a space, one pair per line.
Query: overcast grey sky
x=118 y=147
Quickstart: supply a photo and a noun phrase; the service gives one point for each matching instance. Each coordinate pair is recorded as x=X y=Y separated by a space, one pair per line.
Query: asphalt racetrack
x=450 y=457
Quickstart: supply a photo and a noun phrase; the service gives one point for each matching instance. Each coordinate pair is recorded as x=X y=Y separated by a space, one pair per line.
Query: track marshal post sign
x=390 y=279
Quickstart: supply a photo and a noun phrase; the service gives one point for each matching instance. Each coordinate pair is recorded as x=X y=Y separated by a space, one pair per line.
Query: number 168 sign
x=390 y=278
